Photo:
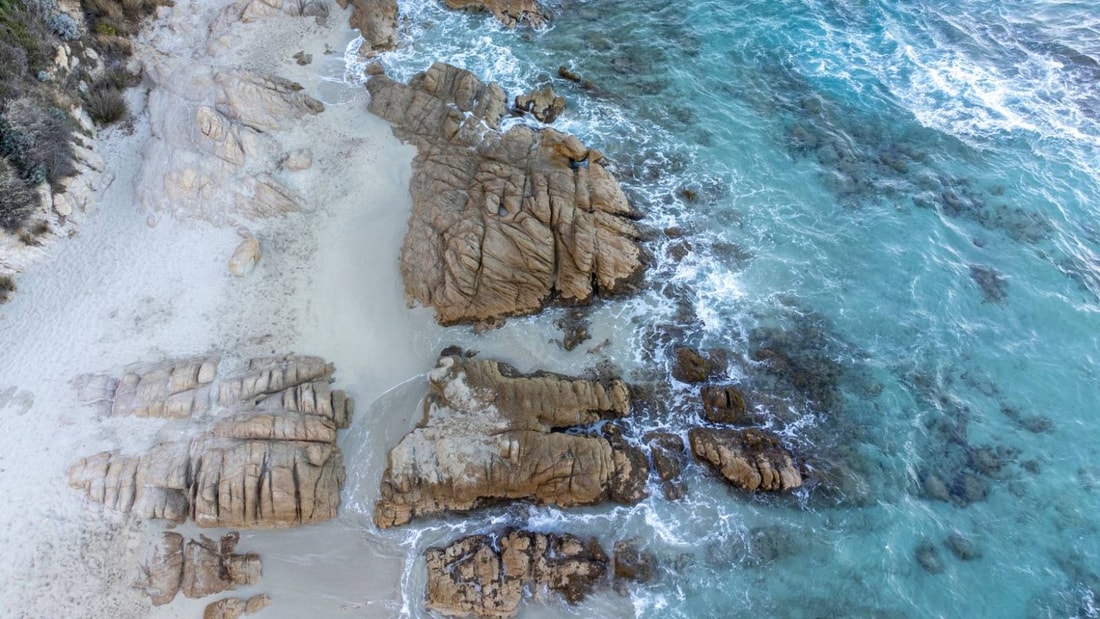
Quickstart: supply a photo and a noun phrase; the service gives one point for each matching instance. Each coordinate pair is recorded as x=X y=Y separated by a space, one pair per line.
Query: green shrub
x=25 y=27
x=18 y=199
x=36 y=141
x=105 y=103
x=7 y=286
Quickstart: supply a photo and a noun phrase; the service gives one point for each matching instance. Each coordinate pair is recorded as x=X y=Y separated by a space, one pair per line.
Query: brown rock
x=376 y=20
x=726 y=404
x=511 y=13
x=750 y=459
x=197 y=568
x=502 y=224
x=666 y=450
x=488 y=576
x=256 y=603
x=543 y=104
x=487 y=435
x=688 y=366
x=269 y=461
x=633 y=564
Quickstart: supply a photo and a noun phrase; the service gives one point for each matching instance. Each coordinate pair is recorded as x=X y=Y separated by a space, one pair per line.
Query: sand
x=134 y=286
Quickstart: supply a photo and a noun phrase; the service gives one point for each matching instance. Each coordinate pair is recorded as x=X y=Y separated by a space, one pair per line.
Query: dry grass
x=7 y=286
x=106 y=104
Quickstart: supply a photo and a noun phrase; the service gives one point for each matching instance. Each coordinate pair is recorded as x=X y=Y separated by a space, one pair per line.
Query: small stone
x=375 y=68
x=929 y=558
x=303 y=58
x=245 y=257
x=297 y=160
x=229 y=608
x=962 y=547
x=934 y=488
x=61 y=205
x=256 y=603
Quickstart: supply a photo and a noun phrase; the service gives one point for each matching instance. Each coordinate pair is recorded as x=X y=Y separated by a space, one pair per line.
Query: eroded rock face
x=502 y=223
x=487 y=435
x=197 y=568
x=666 y=450
x=726 y=404
x=489 y=576
x=511 y=13
x=268 y=459
x=376 y=20
x=750 y=459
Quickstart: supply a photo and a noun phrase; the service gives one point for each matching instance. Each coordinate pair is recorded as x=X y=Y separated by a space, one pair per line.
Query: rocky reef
x=267 y=459
x=490 y=433
x=502 y=223
x=511 y=13
x=750 y=459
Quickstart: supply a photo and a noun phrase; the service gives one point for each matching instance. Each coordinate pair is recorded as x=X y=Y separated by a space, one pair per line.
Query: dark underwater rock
x=929 y=557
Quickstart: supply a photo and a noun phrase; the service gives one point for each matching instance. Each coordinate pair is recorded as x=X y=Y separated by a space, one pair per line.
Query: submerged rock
x=511 y=13
x=489 y=576
x=502 y=223
x=633 y=564
x=750 y=459
x=196 y=568
x=688 y=366
x=928 y=557
x=962 y=547
x=268 y=460
x=666 y=450
x=726 y=404
x=490 y=434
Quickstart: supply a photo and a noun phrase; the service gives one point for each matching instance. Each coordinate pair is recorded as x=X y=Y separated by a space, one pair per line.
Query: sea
x=882 y=218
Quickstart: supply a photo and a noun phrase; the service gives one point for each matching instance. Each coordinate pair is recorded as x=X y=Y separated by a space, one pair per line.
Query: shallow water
x=902 y=196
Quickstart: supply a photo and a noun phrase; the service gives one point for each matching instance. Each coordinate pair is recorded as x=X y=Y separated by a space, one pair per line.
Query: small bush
x=106 y=104
x=118 y=77
x=18 y=199
x=24 y=26
x=64 y=27
x=37 y=141
x=7 y=286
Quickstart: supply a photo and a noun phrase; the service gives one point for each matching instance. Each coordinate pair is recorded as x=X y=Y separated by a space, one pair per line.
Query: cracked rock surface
x=489 y=576
x=502 y=223
x=489 y=434
x=750 y=459
x=197 y=568
x=267 y=459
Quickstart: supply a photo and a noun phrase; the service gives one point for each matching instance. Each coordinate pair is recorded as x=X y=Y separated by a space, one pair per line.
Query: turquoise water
x=902 y=197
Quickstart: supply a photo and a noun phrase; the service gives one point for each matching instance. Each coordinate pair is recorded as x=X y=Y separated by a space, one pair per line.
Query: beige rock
x=511 y=13
x=298 y=160
x=751 y=459
x=61 y=205
x=502 y=224
x=176 y=389
x=487 y=435
x=245 y=257
x=215 y=142
x=269 y=459
x=228 y=608
x=256 y=603
x=489 y=576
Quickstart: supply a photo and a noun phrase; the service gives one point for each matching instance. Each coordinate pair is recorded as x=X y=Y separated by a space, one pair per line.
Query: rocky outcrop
x=267 y=459
x=489 y=576
x=376 y=20
x=215 y=150
x=502 y=223
x=511 y=13
x=489 y=434
x=750 y=459
x=544 y=104
x=196 y=568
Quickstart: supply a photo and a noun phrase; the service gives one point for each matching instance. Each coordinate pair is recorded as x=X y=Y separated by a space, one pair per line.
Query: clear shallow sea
x=904 y=199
